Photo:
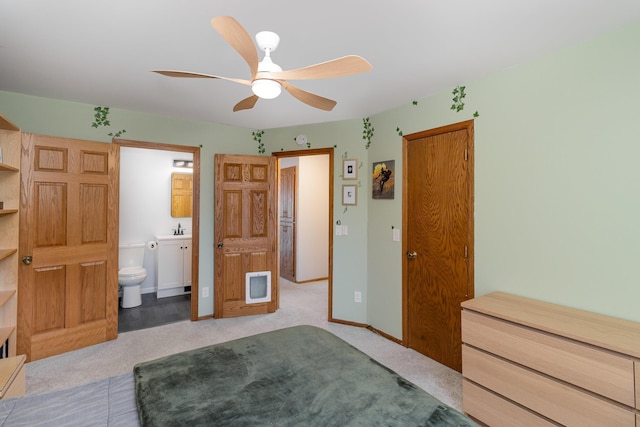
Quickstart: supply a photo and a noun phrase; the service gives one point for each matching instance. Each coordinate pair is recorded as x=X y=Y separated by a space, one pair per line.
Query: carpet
x=109 y=402
x=300 y=375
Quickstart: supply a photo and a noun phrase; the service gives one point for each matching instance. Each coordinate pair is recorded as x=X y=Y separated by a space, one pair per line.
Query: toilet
x=131 y=273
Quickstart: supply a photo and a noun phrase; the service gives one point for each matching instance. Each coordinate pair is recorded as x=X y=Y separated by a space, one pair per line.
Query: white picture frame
x=349 y=195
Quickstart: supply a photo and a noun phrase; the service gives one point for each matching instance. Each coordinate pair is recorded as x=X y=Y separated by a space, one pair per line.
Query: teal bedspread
x=299 y=376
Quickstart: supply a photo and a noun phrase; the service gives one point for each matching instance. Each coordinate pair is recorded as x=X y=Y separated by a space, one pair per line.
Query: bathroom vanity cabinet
x=12 y=374
x=173 y=265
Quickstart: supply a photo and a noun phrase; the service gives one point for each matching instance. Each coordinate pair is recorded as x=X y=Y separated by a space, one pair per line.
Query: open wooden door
x=68 y=277
x=245 y=232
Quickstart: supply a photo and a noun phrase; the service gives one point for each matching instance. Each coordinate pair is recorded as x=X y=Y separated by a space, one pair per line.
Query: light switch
x=396 y=235
x=338 y=230
x=345 y=230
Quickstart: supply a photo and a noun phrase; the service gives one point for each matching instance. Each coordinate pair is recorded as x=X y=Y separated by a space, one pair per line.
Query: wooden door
x=69 y=227
x=287 y=211
x=438 y=240
x=245 y=231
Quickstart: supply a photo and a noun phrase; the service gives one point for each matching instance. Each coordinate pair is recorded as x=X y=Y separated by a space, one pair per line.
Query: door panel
x=69 y=205
x=438 y=225
x=51 y=221
x=287 y=215
x=93 y=287
x=48 y=302
x=245 y=231
x=93 y=204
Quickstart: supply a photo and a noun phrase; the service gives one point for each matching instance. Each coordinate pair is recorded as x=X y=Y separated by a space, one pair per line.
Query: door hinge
x=466 y=251
x=466 y=154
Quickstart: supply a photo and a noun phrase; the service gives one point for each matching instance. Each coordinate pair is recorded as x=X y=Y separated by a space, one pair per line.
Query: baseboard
x=347 y=322
x=310 y=280
x=385 y=335
x=369 y=327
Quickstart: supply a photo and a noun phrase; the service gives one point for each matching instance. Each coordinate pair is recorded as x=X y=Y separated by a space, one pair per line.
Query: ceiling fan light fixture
x=266 y=89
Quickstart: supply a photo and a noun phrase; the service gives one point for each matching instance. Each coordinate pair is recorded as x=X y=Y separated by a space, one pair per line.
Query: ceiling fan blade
x=246 y=103
x=239 y=39
x=345 y=66
x=189 y=74
x=309 y=98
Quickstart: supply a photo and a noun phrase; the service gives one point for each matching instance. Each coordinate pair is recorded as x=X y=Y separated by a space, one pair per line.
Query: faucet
x=178 y=231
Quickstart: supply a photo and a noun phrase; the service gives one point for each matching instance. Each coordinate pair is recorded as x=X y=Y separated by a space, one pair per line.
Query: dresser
x=531 y=363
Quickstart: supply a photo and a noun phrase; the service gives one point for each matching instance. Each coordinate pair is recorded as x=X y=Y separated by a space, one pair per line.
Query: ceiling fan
x=267 y=78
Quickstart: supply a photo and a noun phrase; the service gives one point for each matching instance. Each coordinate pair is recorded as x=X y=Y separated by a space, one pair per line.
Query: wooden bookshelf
x=7 y=168
x=6 y=296
x=12 y=378
x=4 y=253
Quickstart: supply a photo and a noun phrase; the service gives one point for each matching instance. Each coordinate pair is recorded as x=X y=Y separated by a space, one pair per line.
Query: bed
x=295 y=376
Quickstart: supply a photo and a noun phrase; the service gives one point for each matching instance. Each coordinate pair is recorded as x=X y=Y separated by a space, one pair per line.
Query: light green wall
x=557 y=187
x=557 y=194
x=349 y=252
x=557 y=179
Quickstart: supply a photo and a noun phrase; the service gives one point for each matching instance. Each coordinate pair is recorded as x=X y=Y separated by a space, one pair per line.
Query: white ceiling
x=101 y=52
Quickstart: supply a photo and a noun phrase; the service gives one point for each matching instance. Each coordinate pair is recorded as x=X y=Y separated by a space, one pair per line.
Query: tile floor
x=154 y=312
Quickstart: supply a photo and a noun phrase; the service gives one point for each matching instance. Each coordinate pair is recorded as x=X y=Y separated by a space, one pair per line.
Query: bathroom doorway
x=312 y=183
x=148 y=215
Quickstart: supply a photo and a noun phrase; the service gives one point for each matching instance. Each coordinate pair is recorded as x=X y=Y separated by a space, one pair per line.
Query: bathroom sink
x=173 y=236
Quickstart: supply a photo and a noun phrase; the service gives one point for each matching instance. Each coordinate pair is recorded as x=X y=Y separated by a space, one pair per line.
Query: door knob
x=411 y=255
x=220 y=244
x=27 y=259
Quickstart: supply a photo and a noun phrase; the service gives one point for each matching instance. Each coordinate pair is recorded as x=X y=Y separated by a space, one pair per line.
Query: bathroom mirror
x=181 y=194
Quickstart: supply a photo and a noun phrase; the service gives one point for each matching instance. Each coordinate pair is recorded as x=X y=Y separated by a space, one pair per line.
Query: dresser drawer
x=493 y=410
x=600 y=371
x=637 y=369
x=559 y=402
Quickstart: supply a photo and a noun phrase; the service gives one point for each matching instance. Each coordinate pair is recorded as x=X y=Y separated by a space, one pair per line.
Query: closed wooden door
x=287 y=210
x=438 y=240
x=245 y=231
x=68 y=280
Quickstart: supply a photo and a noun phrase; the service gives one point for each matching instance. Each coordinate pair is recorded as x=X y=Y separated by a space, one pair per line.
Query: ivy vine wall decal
x=101 y=118
x=257 y=137
x=367 y=132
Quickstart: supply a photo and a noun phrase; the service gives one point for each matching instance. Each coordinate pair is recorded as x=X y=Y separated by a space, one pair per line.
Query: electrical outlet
x=205 y=292
x=357 y=296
